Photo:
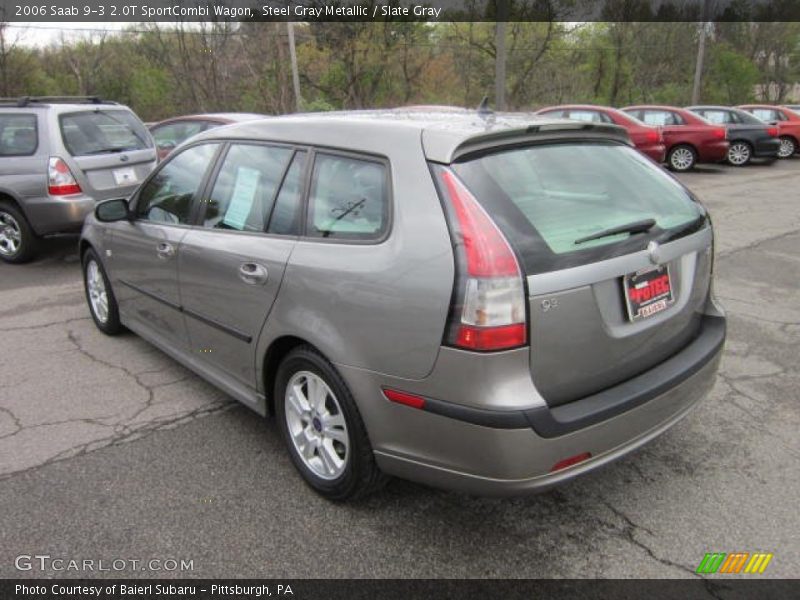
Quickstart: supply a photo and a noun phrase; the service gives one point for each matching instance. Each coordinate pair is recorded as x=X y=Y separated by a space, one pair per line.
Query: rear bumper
x=713 y=151
x=658 y=152
x=767 y=148
x=489 y=451
x=52 y=214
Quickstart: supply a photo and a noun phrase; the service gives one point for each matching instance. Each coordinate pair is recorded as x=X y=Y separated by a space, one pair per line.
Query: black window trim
x=35 y=129
x=306 y=204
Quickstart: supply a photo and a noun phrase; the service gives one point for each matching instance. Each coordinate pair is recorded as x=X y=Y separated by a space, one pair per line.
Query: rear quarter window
x=349 y=198
x=18 y=135
x=547 y=197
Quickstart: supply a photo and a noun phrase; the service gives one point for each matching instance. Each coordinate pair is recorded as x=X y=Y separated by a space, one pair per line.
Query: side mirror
x=112 y=210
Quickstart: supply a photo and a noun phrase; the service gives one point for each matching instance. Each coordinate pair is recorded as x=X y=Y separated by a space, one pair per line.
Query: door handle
x=165 y=250
x=253 y=273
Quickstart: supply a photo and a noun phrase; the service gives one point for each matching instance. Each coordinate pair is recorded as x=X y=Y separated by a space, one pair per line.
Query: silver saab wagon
x=489 y=304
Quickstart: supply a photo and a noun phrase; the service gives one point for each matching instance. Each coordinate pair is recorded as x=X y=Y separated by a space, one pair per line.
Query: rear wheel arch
x=277 y=351
x=83 y=247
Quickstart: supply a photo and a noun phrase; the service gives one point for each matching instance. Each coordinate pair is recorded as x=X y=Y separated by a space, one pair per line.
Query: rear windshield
x=546 y=198
x=100 y=132
x=18 y=135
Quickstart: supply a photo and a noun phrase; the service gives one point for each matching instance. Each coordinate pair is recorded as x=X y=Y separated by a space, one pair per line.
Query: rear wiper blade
x=685 y=229
x=110 y=149
x=642 y=226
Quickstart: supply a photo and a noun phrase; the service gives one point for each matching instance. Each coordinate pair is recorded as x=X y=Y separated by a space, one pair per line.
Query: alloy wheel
x=682 y=159
x=786 y=148
x=316 y=425
x=96 y=286
x=10 y=235
x=739 y=154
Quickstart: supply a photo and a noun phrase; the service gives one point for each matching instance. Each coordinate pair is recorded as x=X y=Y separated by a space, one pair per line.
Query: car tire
x=322 y=428
x=787 y=148
x=99 y=295
x=18 y=242
x=682 y=158
x=740 y=153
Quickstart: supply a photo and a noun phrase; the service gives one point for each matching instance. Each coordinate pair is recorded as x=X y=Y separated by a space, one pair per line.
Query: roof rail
x=23 y=101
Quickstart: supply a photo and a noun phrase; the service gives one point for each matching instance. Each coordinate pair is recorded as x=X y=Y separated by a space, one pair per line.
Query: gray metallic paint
x=378 y=312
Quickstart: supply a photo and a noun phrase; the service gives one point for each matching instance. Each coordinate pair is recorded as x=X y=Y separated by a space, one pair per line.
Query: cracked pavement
x=110 y=449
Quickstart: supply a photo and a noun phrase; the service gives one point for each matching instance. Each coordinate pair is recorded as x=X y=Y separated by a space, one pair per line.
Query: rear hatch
x=111 y=150
x=600 y=310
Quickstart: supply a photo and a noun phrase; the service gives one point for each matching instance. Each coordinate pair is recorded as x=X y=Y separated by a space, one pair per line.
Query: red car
x=647 y=140
x=787 y=120
x=171 y=132
x=689 y=137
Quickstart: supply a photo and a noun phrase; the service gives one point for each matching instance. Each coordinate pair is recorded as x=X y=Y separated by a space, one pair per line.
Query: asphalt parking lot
x=109 y=449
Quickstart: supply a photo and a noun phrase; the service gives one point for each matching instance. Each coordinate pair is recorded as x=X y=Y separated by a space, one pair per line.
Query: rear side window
x=349 y=198
x=172 y=134
x=662 y=117
x=103 y=131
x=718 y=117
x=591 y=116
x=546 y=198
x=18 y=135
x=245 y=187
x=766 y=114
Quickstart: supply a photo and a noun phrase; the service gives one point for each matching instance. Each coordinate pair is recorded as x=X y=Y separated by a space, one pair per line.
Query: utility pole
x=298 y=99
x=500 y=55
x=701 y=55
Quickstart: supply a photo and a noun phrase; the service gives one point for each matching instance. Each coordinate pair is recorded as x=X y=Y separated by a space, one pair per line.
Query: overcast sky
x=42 y=34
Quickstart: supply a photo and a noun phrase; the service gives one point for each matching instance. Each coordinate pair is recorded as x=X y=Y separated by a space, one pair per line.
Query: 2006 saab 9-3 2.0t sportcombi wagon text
x=494 y=304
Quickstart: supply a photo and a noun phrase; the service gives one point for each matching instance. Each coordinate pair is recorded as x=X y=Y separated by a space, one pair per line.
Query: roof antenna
x=483 y=108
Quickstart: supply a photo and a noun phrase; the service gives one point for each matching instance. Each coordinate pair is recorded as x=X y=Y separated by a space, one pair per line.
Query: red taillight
x=488 y=253
x=772 y=131
x=572 y=460
x=489 y=300
x=405 y=398
x=720 y=133
x=653 y=136
x=481 y=338
x=60 y=181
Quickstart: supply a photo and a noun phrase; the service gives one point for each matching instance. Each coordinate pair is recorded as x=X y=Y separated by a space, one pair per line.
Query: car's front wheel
x=100 y=296
x=682 y=158
x=322 y=428
x=788 y=147
x=739 y=154
x=18 y=242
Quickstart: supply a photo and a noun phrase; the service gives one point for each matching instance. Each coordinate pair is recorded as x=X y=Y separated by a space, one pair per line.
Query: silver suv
x=489 y=304
x=58 y=156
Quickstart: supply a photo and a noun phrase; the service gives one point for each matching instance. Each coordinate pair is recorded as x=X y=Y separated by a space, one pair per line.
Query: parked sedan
x=788 y=123
x=490 y=305
x=749 y=136
x=689 y=138
x=648 y=140
x=172 y=132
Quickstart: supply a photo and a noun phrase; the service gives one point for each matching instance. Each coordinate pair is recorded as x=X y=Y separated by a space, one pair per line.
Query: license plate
x=125 y=176
x=647 y=292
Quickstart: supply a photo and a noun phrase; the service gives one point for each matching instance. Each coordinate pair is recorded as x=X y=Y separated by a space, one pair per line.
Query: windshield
x=99 y=132
x=547 y=198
